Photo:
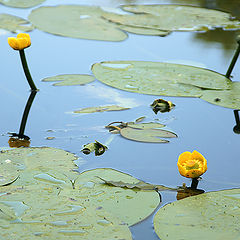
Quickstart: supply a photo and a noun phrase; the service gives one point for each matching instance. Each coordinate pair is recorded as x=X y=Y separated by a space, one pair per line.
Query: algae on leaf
x=213 y=215
x=76 y=21
x=21 y=3
x=173 y=18
x=14 y=24
x=159 y=78
x=70 y=79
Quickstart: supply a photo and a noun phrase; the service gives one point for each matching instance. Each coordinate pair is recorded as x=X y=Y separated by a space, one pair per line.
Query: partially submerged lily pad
x=21 y=3
x=14 y=24
x=174 y=18
x=101 y=109
x=158 y=78
x=213 y=215
x=76 y=21
x=50 y=215
x=70 y=79
x=227 y=98
x=95 y=147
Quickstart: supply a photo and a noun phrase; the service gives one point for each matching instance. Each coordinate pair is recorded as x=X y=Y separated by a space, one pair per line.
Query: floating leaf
x=139 y=185
x=129 y=205
x=161 y=105
x=21 y=3
x=101 y=109
x=174 y=18
x=213 y=215
x=50 y=215
x=8 y=172
x=147 y=135
x=76 y=21
x=96 y=147
x=70 y=79
x=159 y=78
x=145 y=125
x=42 y=158
x=14 y=24
x=227 y=98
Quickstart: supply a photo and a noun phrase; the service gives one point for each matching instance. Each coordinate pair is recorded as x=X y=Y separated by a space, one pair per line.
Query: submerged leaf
x=158 y=78
x=21 y=3
x=173 y=18
x=14 y=24
x=70 y=79
x=101 y=109
x=76 y=21
x=213 y=215
x=147 y=135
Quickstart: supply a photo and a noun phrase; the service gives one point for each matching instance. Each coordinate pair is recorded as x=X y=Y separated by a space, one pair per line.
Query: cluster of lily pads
x=43 y=195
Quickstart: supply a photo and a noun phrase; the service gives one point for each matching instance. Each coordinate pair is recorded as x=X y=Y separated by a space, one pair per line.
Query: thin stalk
x=194 y=183
x=234 y=60
x=25 y=114
x=26 y=70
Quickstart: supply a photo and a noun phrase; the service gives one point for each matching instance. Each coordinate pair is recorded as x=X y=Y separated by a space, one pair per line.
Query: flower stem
x=234 y=60
x=26 y=70
x=194 y=183
x=25 y=114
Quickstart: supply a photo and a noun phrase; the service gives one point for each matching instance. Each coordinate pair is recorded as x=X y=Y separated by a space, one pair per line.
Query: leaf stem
x=234 y=60
x=26 y=70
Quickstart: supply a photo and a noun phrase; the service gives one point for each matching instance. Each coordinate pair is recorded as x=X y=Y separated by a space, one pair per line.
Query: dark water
x=200 y=126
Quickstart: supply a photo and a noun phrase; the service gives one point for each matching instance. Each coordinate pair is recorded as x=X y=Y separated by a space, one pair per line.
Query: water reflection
x=236 y=128
x=188 y=192
x=19 y=139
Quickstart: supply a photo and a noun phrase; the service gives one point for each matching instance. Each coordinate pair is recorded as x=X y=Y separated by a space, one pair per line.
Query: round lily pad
x=158 y=78
x=21 y=3
x=14 y=24
x=70 y=79
x=169 y=17
x=76 y=21
x=213 y=215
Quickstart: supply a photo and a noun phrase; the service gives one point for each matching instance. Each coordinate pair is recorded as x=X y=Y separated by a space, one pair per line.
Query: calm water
x=200 y=126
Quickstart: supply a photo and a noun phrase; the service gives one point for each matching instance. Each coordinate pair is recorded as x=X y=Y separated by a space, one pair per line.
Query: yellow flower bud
x=191 y=165
x=20 y=42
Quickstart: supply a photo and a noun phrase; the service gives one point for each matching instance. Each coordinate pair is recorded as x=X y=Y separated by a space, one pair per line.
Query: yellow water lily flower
x=192 y=165
x=20 y=42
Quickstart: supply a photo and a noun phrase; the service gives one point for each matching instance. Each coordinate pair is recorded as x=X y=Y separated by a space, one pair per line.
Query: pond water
x=199 y=125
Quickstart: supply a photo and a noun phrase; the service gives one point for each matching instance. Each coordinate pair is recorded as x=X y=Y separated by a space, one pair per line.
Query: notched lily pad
x=95 y=147
x=213 y=215
x=70 y=79
x=21 y=3
x=227 y=98
x=14 y=24
x=76 y=21
x=173 y=18
x=158 y=78
x=101 y=109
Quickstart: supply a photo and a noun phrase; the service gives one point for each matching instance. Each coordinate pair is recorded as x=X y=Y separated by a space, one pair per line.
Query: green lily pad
x=101 y=109
x=42 y=158
x=174 y=18
x=213 y=215
x=158 y=78
x=50 y=215
x=76 y=21
x=227 y=98
x=130 y=205
x=145 y=125
x=147 y=135
x=14 y=24
x=8 y=172
x=70 y=79
x=21 y=3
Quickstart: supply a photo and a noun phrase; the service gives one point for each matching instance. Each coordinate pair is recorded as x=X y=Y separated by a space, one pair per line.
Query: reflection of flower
x=21 y=42
x=18 y=142
x=192 y=165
